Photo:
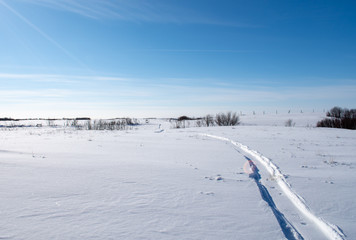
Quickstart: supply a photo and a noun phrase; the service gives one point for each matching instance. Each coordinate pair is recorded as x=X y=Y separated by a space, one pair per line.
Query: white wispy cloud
x=43 y=34
x=40 y=94
x=90 y=8
x=132 y=10
x=135 y=11
x=138 y=97
x=193 y=50
x=60 y=78
x=173 y=92
x=263 y=95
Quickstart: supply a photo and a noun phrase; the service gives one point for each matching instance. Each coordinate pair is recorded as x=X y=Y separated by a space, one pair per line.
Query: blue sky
x=166 y=58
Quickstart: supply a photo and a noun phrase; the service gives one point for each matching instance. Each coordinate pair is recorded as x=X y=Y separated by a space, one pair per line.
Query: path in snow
x=288 y=229
x=331 y=231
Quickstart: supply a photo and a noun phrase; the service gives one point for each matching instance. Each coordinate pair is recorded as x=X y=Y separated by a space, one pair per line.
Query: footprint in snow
x=207 y=193
x=217 y=178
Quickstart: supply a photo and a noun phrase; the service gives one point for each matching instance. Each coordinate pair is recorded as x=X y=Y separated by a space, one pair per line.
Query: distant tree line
x=339 y=117
x=221 y=119
x=8 y=119
x=48 y=119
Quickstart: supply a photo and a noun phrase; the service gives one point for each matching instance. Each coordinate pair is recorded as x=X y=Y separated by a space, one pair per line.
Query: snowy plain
x=156 y=182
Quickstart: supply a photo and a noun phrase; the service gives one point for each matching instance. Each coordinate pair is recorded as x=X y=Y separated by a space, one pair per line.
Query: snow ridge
x=331 y=231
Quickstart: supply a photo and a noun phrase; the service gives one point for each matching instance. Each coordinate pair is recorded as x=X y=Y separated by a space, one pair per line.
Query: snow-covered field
x=155 y=182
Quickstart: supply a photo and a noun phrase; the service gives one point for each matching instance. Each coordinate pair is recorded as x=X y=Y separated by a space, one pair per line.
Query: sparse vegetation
x=289 y=123
x=227 y=119
x=50 y=122
x=183 y=118
x=339 y=118
x=179 y=124
x=206 y=121
x=114 y=124
x=221 y=119
x=8 y=119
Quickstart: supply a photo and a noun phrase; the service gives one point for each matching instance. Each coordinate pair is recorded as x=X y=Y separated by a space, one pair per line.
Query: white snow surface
x=155 y=182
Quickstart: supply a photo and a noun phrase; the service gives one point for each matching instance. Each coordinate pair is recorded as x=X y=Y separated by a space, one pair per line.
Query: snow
x=329 y=230
x=156 y=182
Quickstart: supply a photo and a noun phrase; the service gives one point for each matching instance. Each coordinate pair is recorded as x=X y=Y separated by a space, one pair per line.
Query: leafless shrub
x=289 y=123
x=228 y=119
x=75 y=123
x=88 y=125
x=50 y=123
x=208 y=120
x=178 y=124
x=108 y=125
x=115 y=124
x=129 y=121
x=199 y=123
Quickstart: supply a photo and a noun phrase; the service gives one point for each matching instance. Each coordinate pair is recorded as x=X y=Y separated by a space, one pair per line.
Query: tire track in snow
x=331 y=231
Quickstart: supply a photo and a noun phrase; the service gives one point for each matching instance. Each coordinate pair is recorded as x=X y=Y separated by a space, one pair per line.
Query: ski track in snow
x=288 y=229
x=331 y=231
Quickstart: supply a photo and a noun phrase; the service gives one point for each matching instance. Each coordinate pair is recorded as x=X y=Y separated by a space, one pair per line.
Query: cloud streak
x=195 y=50
x=43 y=34
x=62 y=78
x=134 y=11
x=177 y=97
x=140 y=97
